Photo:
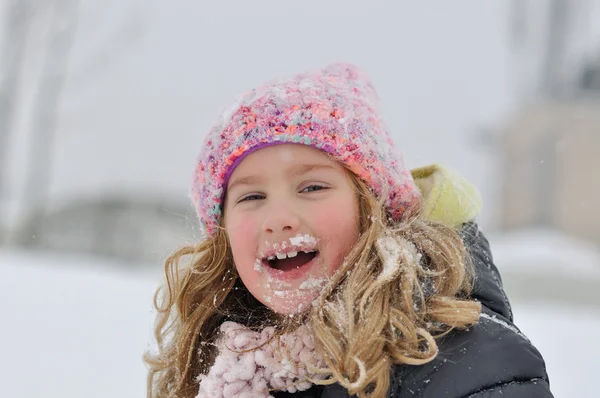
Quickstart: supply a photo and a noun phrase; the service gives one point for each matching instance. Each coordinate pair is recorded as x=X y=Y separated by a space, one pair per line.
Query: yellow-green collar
x=448 y=198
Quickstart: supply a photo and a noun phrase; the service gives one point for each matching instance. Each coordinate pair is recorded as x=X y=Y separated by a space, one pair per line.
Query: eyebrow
x=292 y=171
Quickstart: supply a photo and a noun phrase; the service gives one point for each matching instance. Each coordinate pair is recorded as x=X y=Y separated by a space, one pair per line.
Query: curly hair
x=401 y=286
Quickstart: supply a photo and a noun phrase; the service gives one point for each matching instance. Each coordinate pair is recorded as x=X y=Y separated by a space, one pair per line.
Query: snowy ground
x=553 y=282
x=74 y=328
x=78 y=327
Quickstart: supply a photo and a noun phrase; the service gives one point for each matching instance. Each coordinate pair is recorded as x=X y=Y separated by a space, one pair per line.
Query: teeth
x=282 y=256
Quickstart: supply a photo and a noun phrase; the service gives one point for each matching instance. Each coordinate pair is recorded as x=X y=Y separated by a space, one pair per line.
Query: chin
x=295 y=303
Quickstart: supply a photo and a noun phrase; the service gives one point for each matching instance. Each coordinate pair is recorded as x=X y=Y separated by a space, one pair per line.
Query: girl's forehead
x=284 y=155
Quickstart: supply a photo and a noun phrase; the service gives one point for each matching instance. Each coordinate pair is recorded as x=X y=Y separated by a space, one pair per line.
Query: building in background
x=550 y=166
x=139 y=229
x=550 y=145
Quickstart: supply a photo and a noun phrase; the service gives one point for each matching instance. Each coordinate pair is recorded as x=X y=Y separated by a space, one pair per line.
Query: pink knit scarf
x=251 y=364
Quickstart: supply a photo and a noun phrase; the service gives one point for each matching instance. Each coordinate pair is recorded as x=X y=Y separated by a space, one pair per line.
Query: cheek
x=338 y=224
x=241 y=231
x=339 y=215
x=332 y=218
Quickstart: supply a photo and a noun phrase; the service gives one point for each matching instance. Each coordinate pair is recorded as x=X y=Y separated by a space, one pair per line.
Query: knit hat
x=333 y=110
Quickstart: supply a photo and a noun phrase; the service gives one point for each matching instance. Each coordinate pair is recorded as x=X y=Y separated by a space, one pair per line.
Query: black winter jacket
x=492 y=359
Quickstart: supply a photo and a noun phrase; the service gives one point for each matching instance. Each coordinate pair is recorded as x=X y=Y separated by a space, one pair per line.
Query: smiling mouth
x=291 y=263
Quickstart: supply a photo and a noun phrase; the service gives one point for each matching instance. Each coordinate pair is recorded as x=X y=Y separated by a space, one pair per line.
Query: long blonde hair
x=375 y=312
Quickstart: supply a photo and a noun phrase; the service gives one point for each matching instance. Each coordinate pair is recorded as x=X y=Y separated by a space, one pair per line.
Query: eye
x=250 y=198
x=313 y=188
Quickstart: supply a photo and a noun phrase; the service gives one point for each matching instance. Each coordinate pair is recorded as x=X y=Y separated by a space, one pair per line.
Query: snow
x=258 y=265
x=305 y=240
x=88 y=319
x=313 y=283
x=499 y=321
x=547 y=250
x=81 y=325
x=391 y=249
x=73 y=327
x=563 y=324
x=567 y=337
x=298 y=243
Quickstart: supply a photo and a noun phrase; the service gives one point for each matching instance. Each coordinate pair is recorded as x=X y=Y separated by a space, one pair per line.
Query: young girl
x=328 y=268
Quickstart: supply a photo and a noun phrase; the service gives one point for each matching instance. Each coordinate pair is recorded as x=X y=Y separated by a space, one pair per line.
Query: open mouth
x=290 y=261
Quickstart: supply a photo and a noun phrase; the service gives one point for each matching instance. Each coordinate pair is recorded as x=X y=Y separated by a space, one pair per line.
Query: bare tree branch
x=46 y=106
x=129 y=31
x=558 y=28
x=18 y=21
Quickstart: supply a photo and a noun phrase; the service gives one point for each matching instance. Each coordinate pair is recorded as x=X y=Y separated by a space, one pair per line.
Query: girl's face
x=291 y=216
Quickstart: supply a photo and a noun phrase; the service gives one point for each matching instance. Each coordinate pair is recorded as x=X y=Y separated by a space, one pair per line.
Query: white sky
x=136 y=121
x=147 y=79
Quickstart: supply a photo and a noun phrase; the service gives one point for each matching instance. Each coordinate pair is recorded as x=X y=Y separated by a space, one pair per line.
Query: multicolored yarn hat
x=333 y=109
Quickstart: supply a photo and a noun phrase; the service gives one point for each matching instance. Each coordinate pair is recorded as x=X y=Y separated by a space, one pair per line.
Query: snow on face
x=306 y=202
x=300 y=242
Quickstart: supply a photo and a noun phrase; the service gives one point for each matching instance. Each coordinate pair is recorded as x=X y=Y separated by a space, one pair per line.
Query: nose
x=281 y=218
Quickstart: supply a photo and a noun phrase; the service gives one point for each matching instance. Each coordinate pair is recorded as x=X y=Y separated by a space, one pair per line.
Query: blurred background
x=103 y=109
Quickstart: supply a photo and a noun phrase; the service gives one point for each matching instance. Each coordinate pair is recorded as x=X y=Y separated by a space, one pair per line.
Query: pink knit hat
x=333 y=110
